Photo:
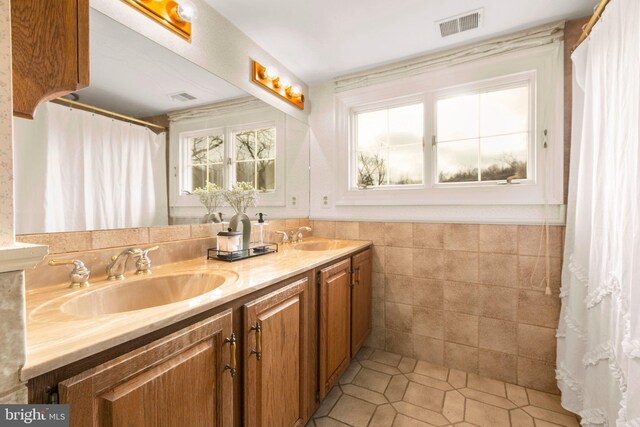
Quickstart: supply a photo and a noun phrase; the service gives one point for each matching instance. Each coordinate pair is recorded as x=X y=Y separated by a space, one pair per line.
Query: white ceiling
x=133 y=75
x=322 y=39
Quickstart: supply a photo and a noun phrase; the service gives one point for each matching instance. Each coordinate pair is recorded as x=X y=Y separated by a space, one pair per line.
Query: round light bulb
x=284 y=82
x=295 y=91
x=187 y=11
x=271 y=73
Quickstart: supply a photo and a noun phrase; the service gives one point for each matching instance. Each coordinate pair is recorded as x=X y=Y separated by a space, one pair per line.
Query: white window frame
x=542 y=64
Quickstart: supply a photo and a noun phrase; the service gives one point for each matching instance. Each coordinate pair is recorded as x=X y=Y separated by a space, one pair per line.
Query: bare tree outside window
x=207 y=160
x=255 y=157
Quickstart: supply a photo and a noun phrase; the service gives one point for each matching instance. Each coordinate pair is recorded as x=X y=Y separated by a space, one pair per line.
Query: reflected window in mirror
x=206 y=160
x=255 y=157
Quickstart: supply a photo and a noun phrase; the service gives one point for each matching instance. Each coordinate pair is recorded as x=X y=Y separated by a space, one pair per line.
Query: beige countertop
x=56 y=338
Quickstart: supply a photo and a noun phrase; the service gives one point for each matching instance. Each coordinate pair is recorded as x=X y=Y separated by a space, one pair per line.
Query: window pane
x=458 y=161
x=245 y=145
x=372 y=168
x=216 y=174
x=266 y=175
x=504 y=111
x=198 y=177
x=216 y=149
x=245 y=172
x=372 y=129
x=198 y=146
x=406 y=125
x=266 y=139
x=405 y=165
x=503 y=157
x=458 y=118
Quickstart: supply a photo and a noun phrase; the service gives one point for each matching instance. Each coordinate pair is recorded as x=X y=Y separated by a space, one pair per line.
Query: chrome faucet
x=143 y=264
x=79 y=276
x=115 y=269
x=285 y=237
x=296 y=236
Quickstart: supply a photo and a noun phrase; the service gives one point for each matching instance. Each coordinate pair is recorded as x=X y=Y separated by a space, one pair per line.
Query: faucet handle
x=80 y=274
x=143 y=264
x=285 y=236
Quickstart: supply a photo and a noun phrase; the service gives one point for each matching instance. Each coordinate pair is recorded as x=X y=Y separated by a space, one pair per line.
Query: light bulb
x=295 y=91
x=271 y=73
x=285 y=82
x=186 y=11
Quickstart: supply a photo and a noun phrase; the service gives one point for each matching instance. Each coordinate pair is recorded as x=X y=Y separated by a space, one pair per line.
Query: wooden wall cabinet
x=50 y=51
x=276 y=358
x=177 y=381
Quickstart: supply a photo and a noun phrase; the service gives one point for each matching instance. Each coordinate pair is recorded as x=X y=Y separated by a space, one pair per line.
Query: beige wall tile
x=428 y=293
x=498 y=335
x=461 y=266
x=533 y=271
x=428 y=322
x=398 y=260
x=398 y=234
x=378 y=285
x=348 y=230
x=461 y=297
x=501 y=366
x=373 y=231
x=398 y=289
x=502 y=239
x=461 y=357
x=536 y=342
x=498 y=269
x=60 y=242
x=536 y=308
x=122 y=237
x=377 y=306
x=428 y=236
x=376 y=339
x=169 y=234
x=324 y=229
x=399 y=342
x=497 y=302
x=205 y=230
x=537 y=374
x=461 y=328
x=292 y=223
x=461 y=237
x=377 y=259
x=398 y=317
x=428 y=263
x=532 y=241
x=429 y=349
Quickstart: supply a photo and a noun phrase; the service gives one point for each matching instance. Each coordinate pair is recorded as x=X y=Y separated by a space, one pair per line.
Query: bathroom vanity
x=202 y=342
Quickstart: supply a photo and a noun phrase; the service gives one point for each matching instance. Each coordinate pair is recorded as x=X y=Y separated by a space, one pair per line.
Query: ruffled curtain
x=598 y=365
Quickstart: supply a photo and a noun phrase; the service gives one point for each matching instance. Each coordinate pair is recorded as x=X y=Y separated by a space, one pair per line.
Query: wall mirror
x=151 y=128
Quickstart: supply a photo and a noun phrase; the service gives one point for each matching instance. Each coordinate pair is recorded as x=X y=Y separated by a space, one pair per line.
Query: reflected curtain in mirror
x=76 y=170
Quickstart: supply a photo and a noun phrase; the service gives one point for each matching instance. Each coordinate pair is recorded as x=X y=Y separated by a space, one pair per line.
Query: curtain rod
x=110 y=113
x=586 y=29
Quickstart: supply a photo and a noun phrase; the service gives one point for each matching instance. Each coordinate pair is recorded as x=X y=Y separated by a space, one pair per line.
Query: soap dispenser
x=261 y=229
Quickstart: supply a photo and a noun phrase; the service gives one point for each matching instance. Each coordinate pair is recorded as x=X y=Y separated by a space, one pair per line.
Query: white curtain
x=75 y=170
x=598 y=364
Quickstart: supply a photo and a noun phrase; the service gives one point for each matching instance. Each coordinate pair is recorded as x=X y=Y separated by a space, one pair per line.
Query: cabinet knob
x=258 y=350
x=231 y=366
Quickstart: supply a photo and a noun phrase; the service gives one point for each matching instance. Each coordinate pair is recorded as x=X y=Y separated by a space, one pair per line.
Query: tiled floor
x=381 y=389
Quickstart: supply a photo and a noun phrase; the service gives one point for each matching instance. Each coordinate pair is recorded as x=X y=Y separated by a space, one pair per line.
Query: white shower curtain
x=75 y=170
x=598 y=364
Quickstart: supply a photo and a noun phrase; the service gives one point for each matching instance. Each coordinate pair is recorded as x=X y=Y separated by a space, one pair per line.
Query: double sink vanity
x=203 y=342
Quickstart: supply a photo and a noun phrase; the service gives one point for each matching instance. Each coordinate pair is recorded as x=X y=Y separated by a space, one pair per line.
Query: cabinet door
x=360 y=300
x=275 y=358
x=335 y=306
x=181 y=380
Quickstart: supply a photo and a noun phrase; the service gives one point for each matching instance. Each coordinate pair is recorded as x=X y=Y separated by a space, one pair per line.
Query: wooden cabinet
x=360 y=300
x=335 y=323
x=50 y=51
x=181 y=380
x=276 y=358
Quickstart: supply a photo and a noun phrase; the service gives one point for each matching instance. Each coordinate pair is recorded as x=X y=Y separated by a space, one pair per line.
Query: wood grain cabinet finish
x=50 y=51
x=335 y=323
x=360 y=300
x=276 y=358
x=177 y=381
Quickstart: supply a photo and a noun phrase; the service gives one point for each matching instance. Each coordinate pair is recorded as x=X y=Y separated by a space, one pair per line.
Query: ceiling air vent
x=182 y=97
x=458 y=24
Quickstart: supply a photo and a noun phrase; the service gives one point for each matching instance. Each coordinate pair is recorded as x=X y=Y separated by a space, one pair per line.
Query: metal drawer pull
x=232 y=355
x=258 y=349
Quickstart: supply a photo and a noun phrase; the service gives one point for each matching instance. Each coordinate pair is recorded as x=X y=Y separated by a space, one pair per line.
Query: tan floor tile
x=551 y=416
x=453 y=407
x=329 y=402
x=407 y=364
x=491 y=399
x=404 y=421
x=426 y=397
x=380 y=367
x=519 y=418
x=546 y=401
x=457 y=379
x=397 y=386
x=487 y=385
x=365 y=353
x=373 y=380
x=383 y=417
x=465 y=425
x=364 y=394
x=352 y=411
x=350 y=373
x=485 y=415
x=419 y=413
x=430 y=382
x=385 y=357
x=517 y=394
x=329 y=422
x=430 y=370
x=542 y=423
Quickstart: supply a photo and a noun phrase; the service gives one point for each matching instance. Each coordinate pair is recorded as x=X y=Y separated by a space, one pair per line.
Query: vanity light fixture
x=270 y=79
x=176 y=15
